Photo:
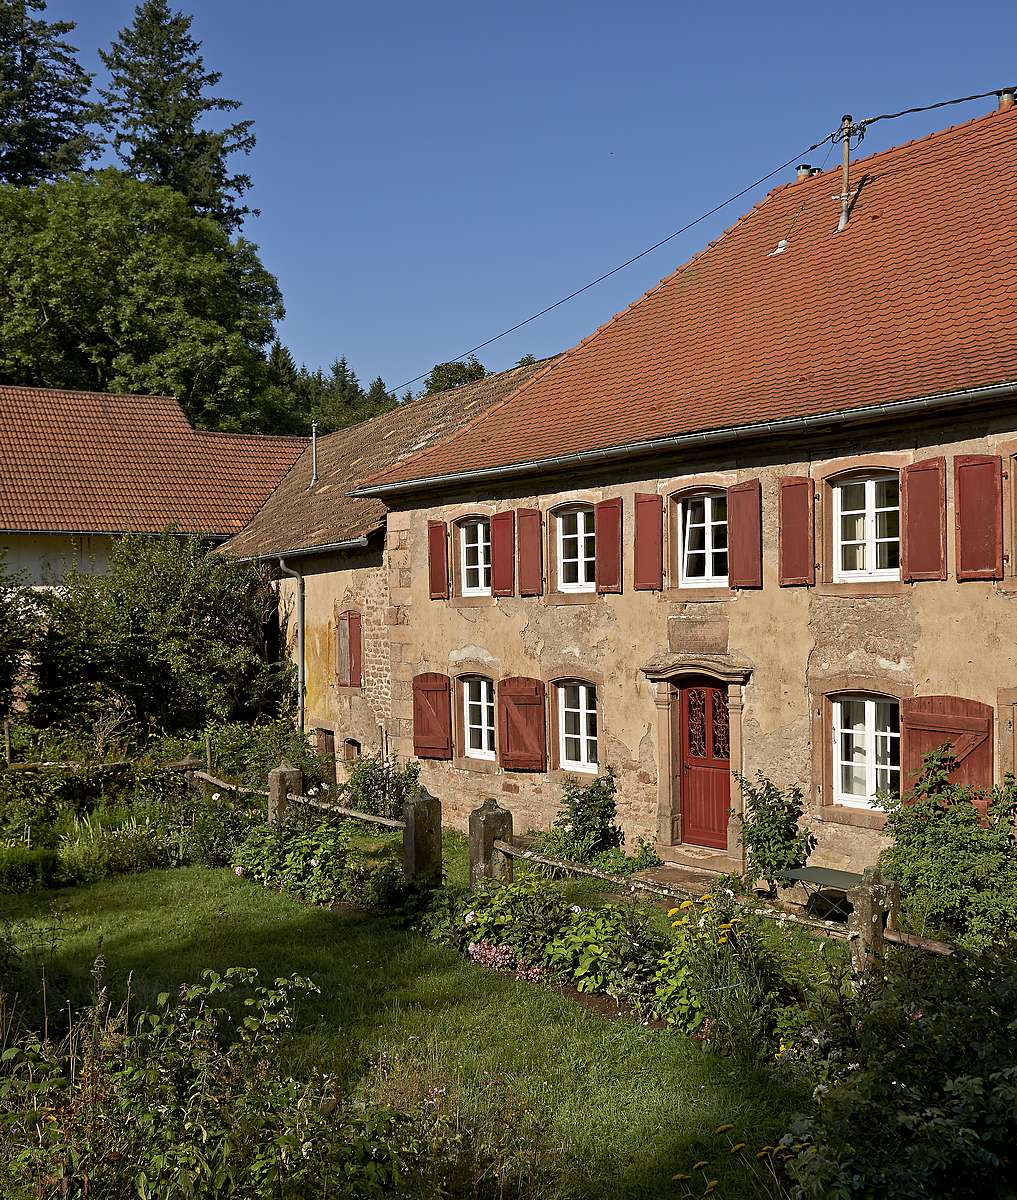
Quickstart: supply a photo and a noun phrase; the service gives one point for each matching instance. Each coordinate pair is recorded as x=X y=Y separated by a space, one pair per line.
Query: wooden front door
x=705 y=768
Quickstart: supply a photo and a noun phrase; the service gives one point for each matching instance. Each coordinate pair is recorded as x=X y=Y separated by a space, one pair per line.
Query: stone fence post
x=873 y=908
x=489 y=824
x=284 y=781
x=422 y=839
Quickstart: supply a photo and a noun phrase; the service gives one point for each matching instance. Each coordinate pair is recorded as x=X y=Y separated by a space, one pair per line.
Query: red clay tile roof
x=92 y=462
x=914 y=298
x=294 y=518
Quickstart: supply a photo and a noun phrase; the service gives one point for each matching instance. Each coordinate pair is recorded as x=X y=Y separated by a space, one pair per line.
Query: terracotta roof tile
x=296 y=518
x=97 y=462
x=913 y=298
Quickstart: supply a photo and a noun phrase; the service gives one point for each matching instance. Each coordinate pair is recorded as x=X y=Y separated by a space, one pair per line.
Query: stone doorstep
x=684 y=878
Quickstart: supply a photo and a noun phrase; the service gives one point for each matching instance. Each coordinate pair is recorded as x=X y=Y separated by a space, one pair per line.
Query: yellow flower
x=685 y=904
x=703 y=899
x=723 y=1128
x=707 y=908
x=672 y=911
x=763 y=1154
x=722 y=939
x=680 y=1176
x=709 y=1187
x=679 y=924
x=726 y=925
x=736 y=1147
x=701 y=1163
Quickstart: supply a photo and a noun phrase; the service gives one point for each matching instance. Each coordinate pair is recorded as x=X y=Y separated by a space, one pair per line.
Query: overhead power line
x=857 y=129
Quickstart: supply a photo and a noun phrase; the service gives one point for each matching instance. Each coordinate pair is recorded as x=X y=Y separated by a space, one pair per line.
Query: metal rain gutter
x=352 y=544
x=705 y=438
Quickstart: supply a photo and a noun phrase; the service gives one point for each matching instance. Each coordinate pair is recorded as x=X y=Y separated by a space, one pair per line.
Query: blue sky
x=429 y=174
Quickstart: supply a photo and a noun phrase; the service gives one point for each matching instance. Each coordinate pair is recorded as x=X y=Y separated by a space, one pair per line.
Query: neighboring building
x=335 y=560
x=765 y=519
x=80 y=469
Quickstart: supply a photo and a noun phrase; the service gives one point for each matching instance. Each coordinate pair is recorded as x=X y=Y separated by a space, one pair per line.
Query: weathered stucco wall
x=927 y=638
x=45 y=558
x=334 y=583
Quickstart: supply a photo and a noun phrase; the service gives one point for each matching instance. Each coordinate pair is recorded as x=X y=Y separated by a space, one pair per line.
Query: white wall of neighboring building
x=43 y=559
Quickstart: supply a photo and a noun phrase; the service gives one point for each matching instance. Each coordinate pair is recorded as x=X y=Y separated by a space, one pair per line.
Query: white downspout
x=300 y=638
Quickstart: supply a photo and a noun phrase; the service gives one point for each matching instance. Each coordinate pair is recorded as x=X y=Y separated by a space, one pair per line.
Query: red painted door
x=705 y=765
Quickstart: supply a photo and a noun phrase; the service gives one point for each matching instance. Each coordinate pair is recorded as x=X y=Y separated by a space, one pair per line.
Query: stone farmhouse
x=762 y=520
x=80 y=469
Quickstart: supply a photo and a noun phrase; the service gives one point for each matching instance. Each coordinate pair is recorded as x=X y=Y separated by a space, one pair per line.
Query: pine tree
x=155 y=105
x=282 y=370
x=45 y=111
x=378 y=399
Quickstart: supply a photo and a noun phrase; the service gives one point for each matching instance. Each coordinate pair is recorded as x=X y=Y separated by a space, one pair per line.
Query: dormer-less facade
x=764 y=520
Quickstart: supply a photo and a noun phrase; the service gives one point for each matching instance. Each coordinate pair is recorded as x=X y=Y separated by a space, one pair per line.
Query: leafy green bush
x=19 y=615
x=380 y=785
x=957 y=870
x=525 y=916
x=22 y=868
x=169 y=639
x=772 y=833
x=190 y=1101
x=307 y=858
x=95 y=850
x=924 y=1098
x=585 y=830
x=611 y=949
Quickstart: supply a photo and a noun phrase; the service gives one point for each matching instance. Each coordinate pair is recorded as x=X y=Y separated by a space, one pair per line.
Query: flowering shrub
x=957 y=870
x=585 y=830
x=380 y=785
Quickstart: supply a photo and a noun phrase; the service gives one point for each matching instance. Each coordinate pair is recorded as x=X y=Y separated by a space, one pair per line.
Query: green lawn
x=621 y=1107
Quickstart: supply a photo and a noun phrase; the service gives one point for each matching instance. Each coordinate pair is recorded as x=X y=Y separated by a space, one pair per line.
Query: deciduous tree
x=114 y=285
x=453 y=374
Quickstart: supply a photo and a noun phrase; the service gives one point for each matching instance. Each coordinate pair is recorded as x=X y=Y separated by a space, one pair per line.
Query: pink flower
x=238 y=870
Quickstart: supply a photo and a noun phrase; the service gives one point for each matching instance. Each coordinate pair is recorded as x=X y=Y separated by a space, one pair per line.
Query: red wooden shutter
x=929 y=721
x=923 y=520
x=745 y=535
x=437 y=559
x=342 y=649
x=522 y=740
x=432 y=715
x=503 y=554
x=356 y=645
x=978 y=504
x=796 y=524
x=649 y=553
x=607 y=525
x=531 y=565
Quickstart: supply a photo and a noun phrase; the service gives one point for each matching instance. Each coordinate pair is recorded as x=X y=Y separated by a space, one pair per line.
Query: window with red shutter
x=796 y=531
x=923 y=520
x=608 y=530
x=349 y=649
x=745 y=535
x=978 y=505
x=531 y=561
x=522 y=730
x=649 y=551
x=432 y=715
x=503 y=554
x=437 y=559
x=929 y=721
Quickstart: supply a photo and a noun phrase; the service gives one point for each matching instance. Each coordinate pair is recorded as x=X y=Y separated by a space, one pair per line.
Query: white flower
x=324 y=787
x=217 y=795
x=312 y=791
x=314 y=862
x=576 y=908
x=567 y=827
x=470 y=917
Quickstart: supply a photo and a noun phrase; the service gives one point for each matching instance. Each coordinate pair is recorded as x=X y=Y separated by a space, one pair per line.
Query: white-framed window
x=577 y=727
x=478 y=717
x=577 y=550
x=866 y=748
x=475 y=556
x=702 y=540
x=866 y=528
